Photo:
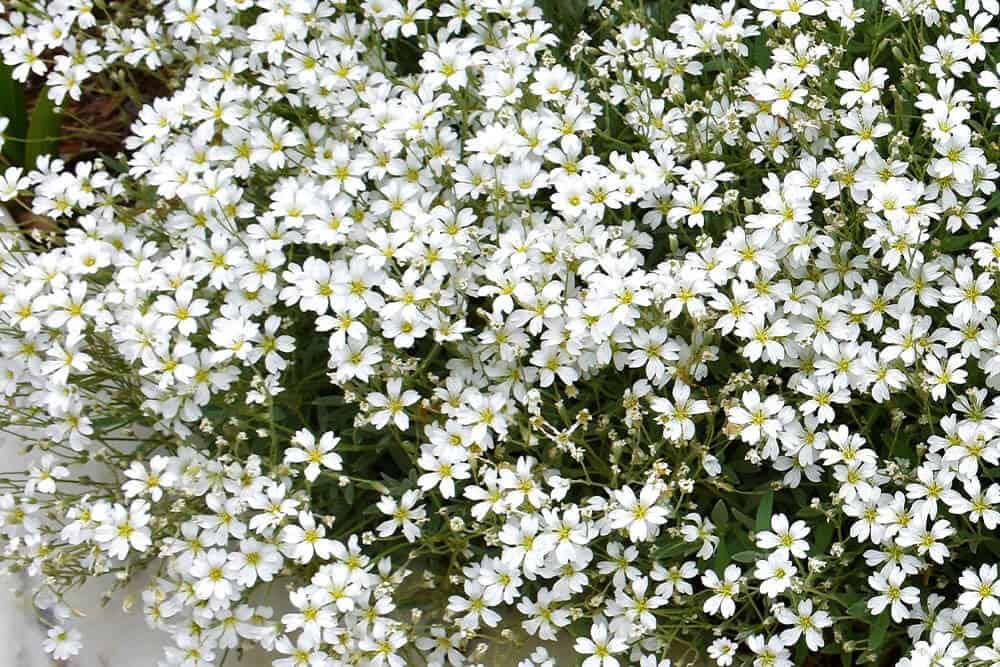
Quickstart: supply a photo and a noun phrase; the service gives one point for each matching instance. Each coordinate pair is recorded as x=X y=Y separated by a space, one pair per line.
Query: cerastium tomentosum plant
x=397 y=331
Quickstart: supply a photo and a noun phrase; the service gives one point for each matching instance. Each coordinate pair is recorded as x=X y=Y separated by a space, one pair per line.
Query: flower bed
x=662 y=331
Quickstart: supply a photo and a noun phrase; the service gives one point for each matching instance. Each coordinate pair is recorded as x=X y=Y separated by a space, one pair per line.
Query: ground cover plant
x=614 y=333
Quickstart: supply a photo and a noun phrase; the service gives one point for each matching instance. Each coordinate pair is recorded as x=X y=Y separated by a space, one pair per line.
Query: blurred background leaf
x=12 y=106
x=43 y=130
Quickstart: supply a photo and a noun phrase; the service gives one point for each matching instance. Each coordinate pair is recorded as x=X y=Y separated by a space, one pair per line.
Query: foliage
x=663 y=331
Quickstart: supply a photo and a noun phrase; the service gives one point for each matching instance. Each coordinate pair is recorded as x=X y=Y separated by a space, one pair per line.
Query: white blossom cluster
x=402 y=330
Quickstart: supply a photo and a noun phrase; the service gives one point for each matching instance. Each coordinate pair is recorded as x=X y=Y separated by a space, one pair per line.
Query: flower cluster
x=401 y=330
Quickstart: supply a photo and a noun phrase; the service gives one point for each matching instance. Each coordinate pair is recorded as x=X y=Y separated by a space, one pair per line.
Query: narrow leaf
x=720 y=515
x=43 y=129
x=859 y=610
x=878 y=631
x=743 y=518
x=824 y=536
x=722 y=557
x=12 y=107
x=764 y=511
x=748 y=556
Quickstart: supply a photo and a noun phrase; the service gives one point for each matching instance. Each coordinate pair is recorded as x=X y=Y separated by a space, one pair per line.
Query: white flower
x=181 y=310
x=804 y=621
x=981 y=590
x=153 y=481
x=979 y=505
x=255 y=560
x=784 y=538
x=62 y=643
x=601 y=646
x=209 y=569
x=474 y=607
x=307 y=539
x=317 y=454
x=43 y=475
x=969 y=294
x=765 y=337
x=865 y=128
x=892 y=594
x=775 y=574
x=542 y=616
x=863 y=84
x=769 y=651
x=723 y=591
x=676 y=415
x=443 y=469
x=700 y=529
x=723 y=650
x=758 y=419
x=927 y=540
x=403 y=515
x=640 y=515
x=392 y=405
x=788 y=12
x=124 y=529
